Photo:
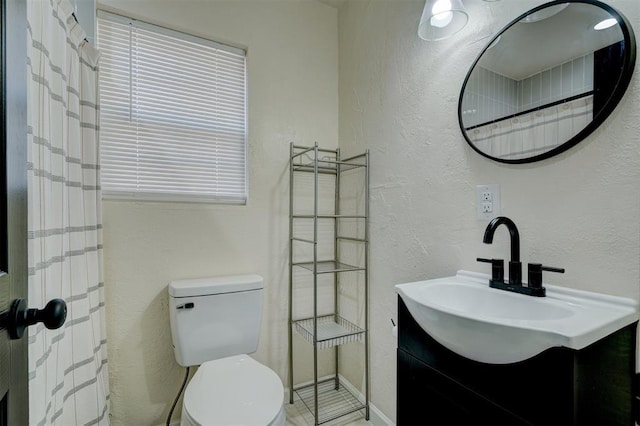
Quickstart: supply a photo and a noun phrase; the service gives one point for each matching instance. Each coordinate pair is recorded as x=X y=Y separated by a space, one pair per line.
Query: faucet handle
x=497 y=268
x=535 y=273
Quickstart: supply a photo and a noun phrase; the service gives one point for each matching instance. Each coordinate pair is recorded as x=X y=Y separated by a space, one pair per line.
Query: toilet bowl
x=215 y=322
x=234 y=391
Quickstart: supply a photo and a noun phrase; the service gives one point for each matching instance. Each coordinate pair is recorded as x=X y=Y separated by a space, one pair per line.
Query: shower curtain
x=536 y=132
x=68 y=379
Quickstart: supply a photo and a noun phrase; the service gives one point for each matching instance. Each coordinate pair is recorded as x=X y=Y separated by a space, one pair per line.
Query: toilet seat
x=236 y=390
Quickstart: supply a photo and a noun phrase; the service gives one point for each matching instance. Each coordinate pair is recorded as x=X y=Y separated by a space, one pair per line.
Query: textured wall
x=398 y=97
x=293 y=96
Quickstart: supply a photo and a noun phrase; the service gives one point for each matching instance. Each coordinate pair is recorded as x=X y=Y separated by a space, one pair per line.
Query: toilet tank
x=215 y=317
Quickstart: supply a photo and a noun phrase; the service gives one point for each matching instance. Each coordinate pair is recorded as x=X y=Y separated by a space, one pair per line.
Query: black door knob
x=18 y=317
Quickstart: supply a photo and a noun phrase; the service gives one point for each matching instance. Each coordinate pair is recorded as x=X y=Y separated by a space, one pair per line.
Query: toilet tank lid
x=215 y=285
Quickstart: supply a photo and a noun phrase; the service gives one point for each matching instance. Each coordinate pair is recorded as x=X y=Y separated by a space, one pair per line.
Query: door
x=14 y=408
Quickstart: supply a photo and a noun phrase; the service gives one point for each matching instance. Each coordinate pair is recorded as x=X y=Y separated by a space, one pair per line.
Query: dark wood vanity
x=560 y=386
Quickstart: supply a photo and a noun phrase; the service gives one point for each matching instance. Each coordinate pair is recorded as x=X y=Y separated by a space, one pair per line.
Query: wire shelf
x=328 y=266
x=332 y=402
x=330 y=166
x=328 y=216
x=333 y=330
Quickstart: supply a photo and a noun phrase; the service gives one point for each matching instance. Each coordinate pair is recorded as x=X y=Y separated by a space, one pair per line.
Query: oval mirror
x=547 y=80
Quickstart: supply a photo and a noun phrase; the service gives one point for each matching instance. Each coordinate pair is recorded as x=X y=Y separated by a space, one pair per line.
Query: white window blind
x=172 y=114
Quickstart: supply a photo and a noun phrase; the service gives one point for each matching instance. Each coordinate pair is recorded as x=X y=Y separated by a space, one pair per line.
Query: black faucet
x=534 y=287
x=515 y=266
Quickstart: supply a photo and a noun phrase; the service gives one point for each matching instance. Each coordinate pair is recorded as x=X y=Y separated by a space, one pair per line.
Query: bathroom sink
x=495 y=326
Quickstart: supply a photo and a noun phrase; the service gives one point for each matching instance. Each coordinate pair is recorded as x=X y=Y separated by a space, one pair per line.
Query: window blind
x=172 y=114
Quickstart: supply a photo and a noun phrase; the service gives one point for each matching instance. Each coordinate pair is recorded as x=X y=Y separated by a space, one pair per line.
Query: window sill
x=170 y=198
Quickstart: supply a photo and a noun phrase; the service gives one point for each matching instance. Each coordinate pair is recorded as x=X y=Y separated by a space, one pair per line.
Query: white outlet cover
x=494 y=189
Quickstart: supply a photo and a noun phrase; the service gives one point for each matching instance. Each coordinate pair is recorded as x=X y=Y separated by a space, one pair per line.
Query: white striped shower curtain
x=68 y=378
x=534 y=133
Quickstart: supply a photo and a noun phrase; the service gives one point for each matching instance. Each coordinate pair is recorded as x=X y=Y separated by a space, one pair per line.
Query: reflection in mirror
x=546 y=81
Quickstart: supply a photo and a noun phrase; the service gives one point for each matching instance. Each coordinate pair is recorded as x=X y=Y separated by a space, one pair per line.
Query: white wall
x=293 y=96
x=398 y=97
x=86 y=14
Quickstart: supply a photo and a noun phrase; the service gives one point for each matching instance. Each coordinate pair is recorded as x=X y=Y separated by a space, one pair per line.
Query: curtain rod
x=75 y=18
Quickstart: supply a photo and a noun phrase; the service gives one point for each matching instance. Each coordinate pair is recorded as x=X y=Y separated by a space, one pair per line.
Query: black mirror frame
x=623 y=83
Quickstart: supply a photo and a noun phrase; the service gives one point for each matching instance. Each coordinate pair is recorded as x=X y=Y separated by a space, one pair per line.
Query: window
x=172 y=114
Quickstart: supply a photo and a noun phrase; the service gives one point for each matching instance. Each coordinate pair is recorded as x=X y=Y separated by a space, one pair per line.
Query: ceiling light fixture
x=441 y=19
x=607 y=23
x=543 y=14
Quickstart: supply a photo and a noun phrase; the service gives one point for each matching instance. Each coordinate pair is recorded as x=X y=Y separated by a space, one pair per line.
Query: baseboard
x=376 y=416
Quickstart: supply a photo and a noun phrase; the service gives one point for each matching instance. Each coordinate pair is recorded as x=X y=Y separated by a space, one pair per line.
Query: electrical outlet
x=487 y=201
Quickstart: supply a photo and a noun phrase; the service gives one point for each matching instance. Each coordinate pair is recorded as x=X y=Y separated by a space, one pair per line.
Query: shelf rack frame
x=328 y=331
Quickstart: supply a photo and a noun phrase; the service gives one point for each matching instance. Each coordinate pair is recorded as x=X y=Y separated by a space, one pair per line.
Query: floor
x=298 y=415
x=333 y=398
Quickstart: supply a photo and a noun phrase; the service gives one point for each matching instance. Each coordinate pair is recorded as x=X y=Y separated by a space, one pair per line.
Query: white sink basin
x=496 y=326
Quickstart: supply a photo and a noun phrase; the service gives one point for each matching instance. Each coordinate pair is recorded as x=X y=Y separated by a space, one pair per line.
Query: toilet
x=215 y=323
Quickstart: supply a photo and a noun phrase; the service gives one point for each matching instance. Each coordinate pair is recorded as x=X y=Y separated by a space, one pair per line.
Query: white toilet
x=215 y=322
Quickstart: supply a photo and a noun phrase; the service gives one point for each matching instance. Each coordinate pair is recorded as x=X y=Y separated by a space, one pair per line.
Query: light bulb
x=442 y=19
x=442 y=15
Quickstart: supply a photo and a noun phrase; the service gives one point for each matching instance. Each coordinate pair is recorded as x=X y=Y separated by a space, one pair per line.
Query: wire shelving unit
x=328 y=399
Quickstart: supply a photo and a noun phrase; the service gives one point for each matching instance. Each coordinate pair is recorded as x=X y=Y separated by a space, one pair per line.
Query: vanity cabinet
x=560 y=386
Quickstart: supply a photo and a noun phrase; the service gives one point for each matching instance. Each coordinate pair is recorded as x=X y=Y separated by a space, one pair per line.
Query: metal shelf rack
x=328 y=399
